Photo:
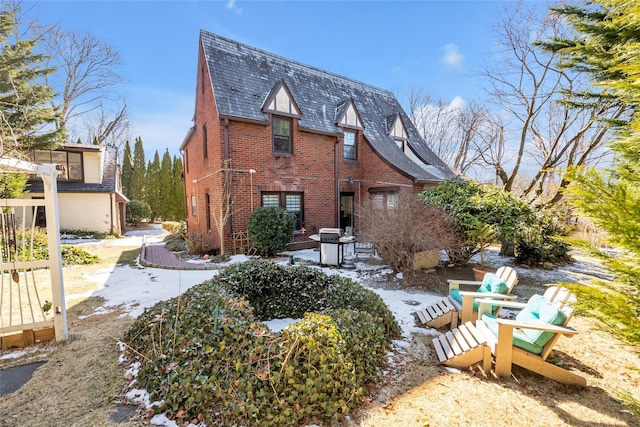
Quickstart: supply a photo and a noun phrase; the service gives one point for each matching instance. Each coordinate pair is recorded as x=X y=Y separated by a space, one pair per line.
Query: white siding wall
x=85 y=211
x=92 y=168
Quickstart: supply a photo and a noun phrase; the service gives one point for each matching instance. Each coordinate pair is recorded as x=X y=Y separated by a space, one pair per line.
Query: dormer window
x=281 y=102
x=281 y=135
x=282 y=108
x=397 y=131
x=348 y=115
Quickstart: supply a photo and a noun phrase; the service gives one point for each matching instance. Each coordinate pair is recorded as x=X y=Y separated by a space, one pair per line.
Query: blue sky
x=434 y=46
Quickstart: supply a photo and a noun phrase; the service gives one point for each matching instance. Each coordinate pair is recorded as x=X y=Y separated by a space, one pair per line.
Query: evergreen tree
x=152 y=187
x=164 y=193
x=127 y=169
x=12 y=185
x=24 y=101
x=607 y=46
x=177 y=191
x=139 y=174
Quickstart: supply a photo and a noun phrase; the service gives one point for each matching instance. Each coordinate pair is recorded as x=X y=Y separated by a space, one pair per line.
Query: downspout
x=226 y=157
x=336 y=183
x=111 y=196
x=184 y=186
x=226 y=139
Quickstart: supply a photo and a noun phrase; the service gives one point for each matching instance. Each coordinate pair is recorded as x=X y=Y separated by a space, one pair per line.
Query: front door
x=346 y=212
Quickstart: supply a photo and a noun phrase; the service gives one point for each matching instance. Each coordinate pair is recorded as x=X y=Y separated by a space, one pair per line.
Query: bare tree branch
x=538 y=97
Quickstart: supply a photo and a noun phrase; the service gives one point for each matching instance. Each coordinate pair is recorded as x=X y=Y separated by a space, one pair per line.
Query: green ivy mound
x=220 y=364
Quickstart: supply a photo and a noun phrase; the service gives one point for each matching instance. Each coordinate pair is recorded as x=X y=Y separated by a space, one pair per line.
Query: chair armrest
x=489 y=296
x=485 y=304
x=455 y=284
x=466 y=313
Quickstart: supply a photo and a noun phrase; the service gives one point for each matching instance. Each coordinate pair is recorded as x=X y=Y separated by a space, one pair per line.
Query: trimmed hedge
x=208 y=356
x=270 y=229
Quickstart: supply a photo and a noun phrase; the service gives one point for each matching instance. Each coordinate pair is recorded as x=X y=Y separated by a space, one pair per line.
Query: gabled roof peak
x=347 y=114
x=280 y=101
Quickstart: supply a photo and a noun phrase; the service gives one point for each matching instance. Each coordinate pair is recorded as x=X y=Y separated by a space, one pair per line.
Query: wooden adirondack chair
x=475 y=343
x=450 y=309
x=464 y=301
x=511 y=342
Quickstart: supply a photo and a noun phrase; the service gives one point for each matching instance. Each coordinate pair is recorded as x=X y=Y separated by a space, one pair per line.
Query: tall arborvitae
x=177 y=191
x=25 y=103
x=164 y=195
x=152 y=187
x=127 y=169
x=606 y=46
x=139 y=174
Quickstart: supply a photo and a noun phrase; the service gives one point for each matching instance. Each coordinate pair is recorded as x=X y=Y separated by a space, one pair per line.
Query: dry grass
x=422 y=393
x=82 y=382
x=81 y=385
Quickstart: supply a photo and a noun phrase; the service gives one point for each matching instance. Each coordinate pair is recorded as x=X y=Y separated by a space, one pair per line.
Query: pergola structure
x=25 y=318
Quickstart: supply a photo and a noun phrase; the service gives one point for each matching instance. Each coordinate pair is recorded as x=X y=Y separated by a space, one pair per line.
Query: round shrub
x=276 y=292
x=270 y=229
x=208 y=357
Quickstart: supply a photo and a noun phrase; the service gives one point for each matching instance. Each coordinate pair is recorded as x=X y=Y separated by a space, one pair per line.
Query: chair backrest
x=560 y=297
x=509 y=276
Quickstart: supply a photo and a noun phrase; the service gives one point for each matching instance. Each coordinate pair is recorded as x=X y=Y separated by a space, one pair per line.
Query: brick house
x=294 y=136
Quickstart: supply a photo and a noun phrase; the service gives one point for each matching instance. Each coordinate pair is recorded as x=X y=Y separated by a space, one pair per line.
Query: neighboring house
x=89 y=189
x=306 y=140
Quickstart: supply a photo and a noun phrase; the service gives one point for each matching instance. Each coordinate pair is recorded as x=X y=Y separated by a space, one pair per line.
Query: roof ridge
x=298 y=63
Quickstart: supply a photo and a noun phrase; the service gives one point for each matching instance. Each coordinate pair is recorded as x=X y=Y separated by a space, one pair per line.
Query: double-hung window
x=291 y=202
x=349 y=144
x=281 y=135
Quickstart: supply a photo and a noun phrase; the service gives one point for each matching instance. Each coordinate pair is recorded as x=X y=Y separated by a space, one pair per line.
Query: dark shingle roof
x=242 y=77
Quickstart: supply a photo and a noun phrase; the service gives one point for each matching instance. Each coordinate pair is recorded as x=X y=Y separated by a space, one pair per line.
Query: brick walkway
x=159 y=256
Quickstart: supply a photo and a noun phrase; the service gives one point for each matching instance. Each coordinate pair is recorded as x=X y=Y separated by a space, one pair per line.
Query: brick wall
x=309 y=170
